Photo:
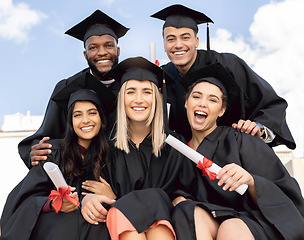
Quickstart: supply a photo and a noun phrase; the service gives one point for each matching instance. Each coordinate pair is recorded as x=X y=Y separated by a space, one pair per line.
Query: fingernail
x=96 y=223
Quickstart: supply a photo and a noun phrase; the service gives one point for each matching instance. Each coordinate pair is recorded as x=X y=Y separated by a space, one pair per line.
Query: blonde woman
x=145 y=173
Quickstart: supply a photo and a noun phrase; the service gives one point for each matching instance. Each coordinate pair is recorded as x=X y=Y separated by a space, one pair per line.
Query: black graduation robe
x=143 y=181
x=262 y=104
x=280 y=205
x=54 y=122
x=22 y=217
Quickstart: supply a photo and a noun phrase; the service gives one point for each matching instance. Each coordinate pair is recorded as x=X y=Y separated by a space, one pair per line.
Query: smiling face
x=138 y=99
x=86 y=122
x=101 y=53
x=180 y=45
x=204 y=105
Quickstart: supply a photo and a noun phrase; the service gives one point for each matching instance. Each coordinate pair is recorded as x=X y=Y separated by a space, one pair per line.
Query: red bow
x=62 y=192
x=204 y=166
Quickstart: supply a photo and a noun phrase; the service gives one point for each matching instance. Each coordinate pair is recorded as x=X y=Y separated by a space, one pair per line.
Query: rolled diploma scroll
x=55 y=174
x=196 y=157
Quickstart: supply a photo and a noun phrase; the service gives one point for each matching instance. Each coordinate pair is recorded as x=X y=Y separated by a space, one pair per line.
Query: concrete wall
x=12 y=168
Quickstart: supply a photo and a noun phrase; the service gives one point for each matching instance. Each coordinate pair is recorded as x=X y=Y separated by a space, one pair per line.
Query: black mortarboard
x=218 y=75
x=97 y=24
x=179 y=16
x=137 y=68
x=223 y=80
x=86 y=88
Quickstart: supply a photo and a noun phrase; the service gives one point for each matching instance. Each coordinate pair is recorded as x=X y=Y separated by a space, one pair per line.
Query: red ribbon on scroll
x=204 y=166
x=62 y=192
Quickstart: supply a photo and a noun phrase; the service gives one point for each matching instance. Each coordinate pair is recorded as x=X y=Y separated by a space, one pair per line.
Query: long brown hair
x=71 y=164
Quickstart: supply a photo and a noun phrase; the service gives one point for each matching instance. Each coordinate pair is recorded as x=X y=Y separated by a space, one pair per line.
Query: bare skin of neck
x=198 y=137
x=138 y=132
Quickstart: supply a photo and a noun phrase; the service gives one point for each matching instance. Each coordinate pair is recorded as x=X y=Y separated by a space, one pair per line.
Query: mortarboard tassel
x=164 y=91
x=208 y=58
x=242 y=100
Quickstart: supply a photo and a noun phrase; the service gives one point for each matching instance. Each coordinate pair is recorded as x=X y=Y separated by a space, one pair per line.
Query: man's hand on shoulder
x=248 y=127
x=39 y=151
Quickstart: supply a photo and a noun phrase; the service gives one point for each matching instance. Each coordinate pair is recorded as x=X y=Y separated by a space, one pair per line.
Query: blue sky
x=35 y=53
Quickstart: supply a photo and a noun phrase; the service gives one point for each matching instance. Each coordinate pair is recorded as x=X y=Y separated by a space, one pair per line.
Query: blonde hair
x=156 y=120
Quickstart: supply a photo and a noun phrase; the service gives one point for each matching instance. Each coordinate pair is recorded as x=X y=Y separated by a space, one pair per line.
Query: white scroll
x=55 y=174
x=196 y=157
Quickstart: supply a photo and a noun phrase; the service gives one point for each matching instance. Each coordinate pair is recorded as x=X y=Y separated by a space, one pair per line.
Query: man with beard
x=264 y=111
x=100 y=34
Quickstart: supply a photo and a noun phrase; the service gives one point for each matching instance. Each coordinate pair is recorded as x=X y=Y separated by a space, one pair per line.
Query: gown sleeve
x=26 y=200
x=53 y=126
x=278 y=195
x=262 y=104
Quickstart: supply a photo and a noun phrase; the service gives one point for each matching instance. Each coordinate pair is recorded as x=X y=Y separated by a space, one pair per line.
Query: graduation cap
x=86 y=88
x=218 y=75
x=137 y=68
x=179 y=16
x=97 y=24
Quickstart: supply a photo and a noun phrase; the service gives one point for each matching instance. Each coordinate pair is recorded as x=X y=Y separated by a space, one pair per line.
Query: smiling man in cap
x=265 y=111
x=100 y=34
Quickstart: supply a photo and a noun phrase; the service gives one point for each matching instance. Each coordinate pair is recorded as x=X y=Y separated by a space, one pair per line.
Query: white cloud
x=223 y=42
x=278 y=32
x=276 y=53
x=16 y=20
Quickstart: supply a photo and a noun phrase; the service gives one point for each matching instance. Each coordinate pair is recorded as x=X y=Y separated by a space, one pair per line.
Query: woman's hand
x=99 y=188
x=232 y=176
x=92 y=210
x=67 y=206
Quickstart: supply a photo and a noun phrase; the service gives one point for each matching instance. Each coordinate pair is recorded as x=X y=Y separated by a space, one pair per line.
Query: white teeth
x=180 y=53
x=200 y=113
x=104 y=61
x=86 y=128
x=138 y=109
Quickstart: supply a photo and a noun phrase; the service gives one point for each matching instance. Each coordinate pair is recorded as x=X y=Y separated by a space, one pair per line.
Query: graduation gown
x=54 y=122
x=22 y=217
x=280 y=206
x=142 y=182
x=262 y=104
